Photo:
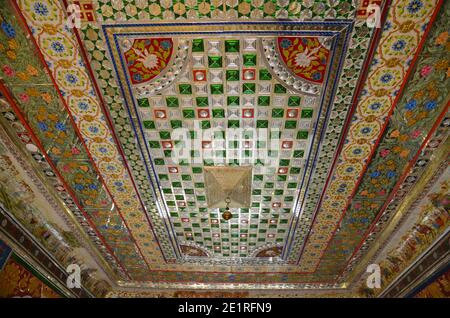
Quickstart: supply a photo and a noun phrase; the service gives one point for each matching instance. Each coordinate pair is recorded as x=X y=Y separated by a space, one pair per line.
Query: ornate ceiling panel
x=327 y=114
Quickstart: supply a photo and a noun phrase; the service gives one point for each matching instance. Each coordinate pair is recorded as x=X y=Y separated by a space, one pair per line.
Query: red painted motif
x=305 y=57
x=147 y=58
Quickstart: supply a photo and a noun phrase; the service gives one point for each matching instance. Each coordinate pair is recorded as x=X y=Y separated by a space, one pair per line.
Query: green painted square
x=176 y=184
x=302 y=134
x=279 y=89
x=249 y=88
x=205 y=124
x=232 y=100
x=284 y=162
x=149 y=124
x=292 y=185
x=299 y=153
x=202 y=101
x=295 y=170
x=262 y=124
x=164 y=177
x=197 y=45
x=164 y=134
x=232 y=46
x=278 y=113
x=188 y=113
x=154 y=144
x=185 y=89
x=197 y=170
x=216 y=89
x=186 y=177
x=218 y=113
x=232 y=75
x=172 y=102
x=269 y=185
x=215 y=61
x=290 y=124
x=168 y=153
x=263 y=100
x=307 y=113
x=294 y=101
x=143 y=102
x=176 y=124
x=264 y=75
x=249 y=59
x=258 y=177
x=233 y=124
x=278 y=192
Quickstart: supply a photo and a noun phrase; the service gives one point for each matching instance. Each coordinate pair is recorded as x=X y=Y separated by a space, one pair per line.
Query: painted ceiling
x=334 y=118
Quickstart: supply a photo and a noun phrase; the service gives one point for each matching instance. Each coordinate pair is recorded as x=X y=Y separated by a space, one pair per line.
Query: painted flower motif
x=32 y=70
x=384 y=152
x=414 y=6
x=60 y=126
x=8 y=29
x=305 y=58
x=442 y=38
x=415 y=133
x=285 y=43
x=57 y=46
x=149 y=60
x=75 y=151
x=71 y=78
x=386 y=78
x=430 y=105
x=11 y=55
x=399 y=45
x=46 y=97
x=426 y=70
x=166 y=44
x=390 y=174
x=8 y=71
x=40 y=8
x=24 y=98
x=375 y=174
x=411 y=104
x=42 y=126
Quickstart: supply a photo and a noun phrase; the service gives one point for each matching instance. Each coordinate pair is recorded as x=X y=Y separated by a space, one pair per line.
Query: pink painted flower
x=8 y=71
x=357 y=205
x=426 y=70
x=24 y=97
x=415 y=133
x=75 y=151
x=384 y=152
x=66 y=168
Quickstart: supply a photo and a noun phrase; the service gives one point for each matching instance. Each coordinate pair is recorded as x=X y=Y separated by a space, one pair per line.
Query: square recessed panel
x=239 y=113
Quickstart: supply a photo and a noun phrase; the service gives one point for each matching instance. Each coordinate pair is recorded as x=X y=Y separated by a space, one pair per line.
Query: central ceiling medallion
x=228 y=187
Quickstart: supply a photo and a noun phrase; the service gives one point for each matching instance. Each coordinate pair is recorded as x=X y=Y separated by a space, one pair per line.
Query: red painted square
x=203 y=113
x=173 y=169
x=248 y=74
x=282 y=170
x=199 y=75
x=287 y=144
x=248 y=113
x=160 y=113
x=292 y=113
x=167 y=144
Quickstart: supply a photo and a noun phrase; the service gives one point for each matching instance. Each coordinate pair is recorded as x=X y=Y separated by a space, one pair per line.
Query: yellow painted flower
x=395 y=133
x=32 y=92
x=11 y=55
x=13 y=44
x=46 y=97
x=442 y=38
x=32 y=70
x=23 y=76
